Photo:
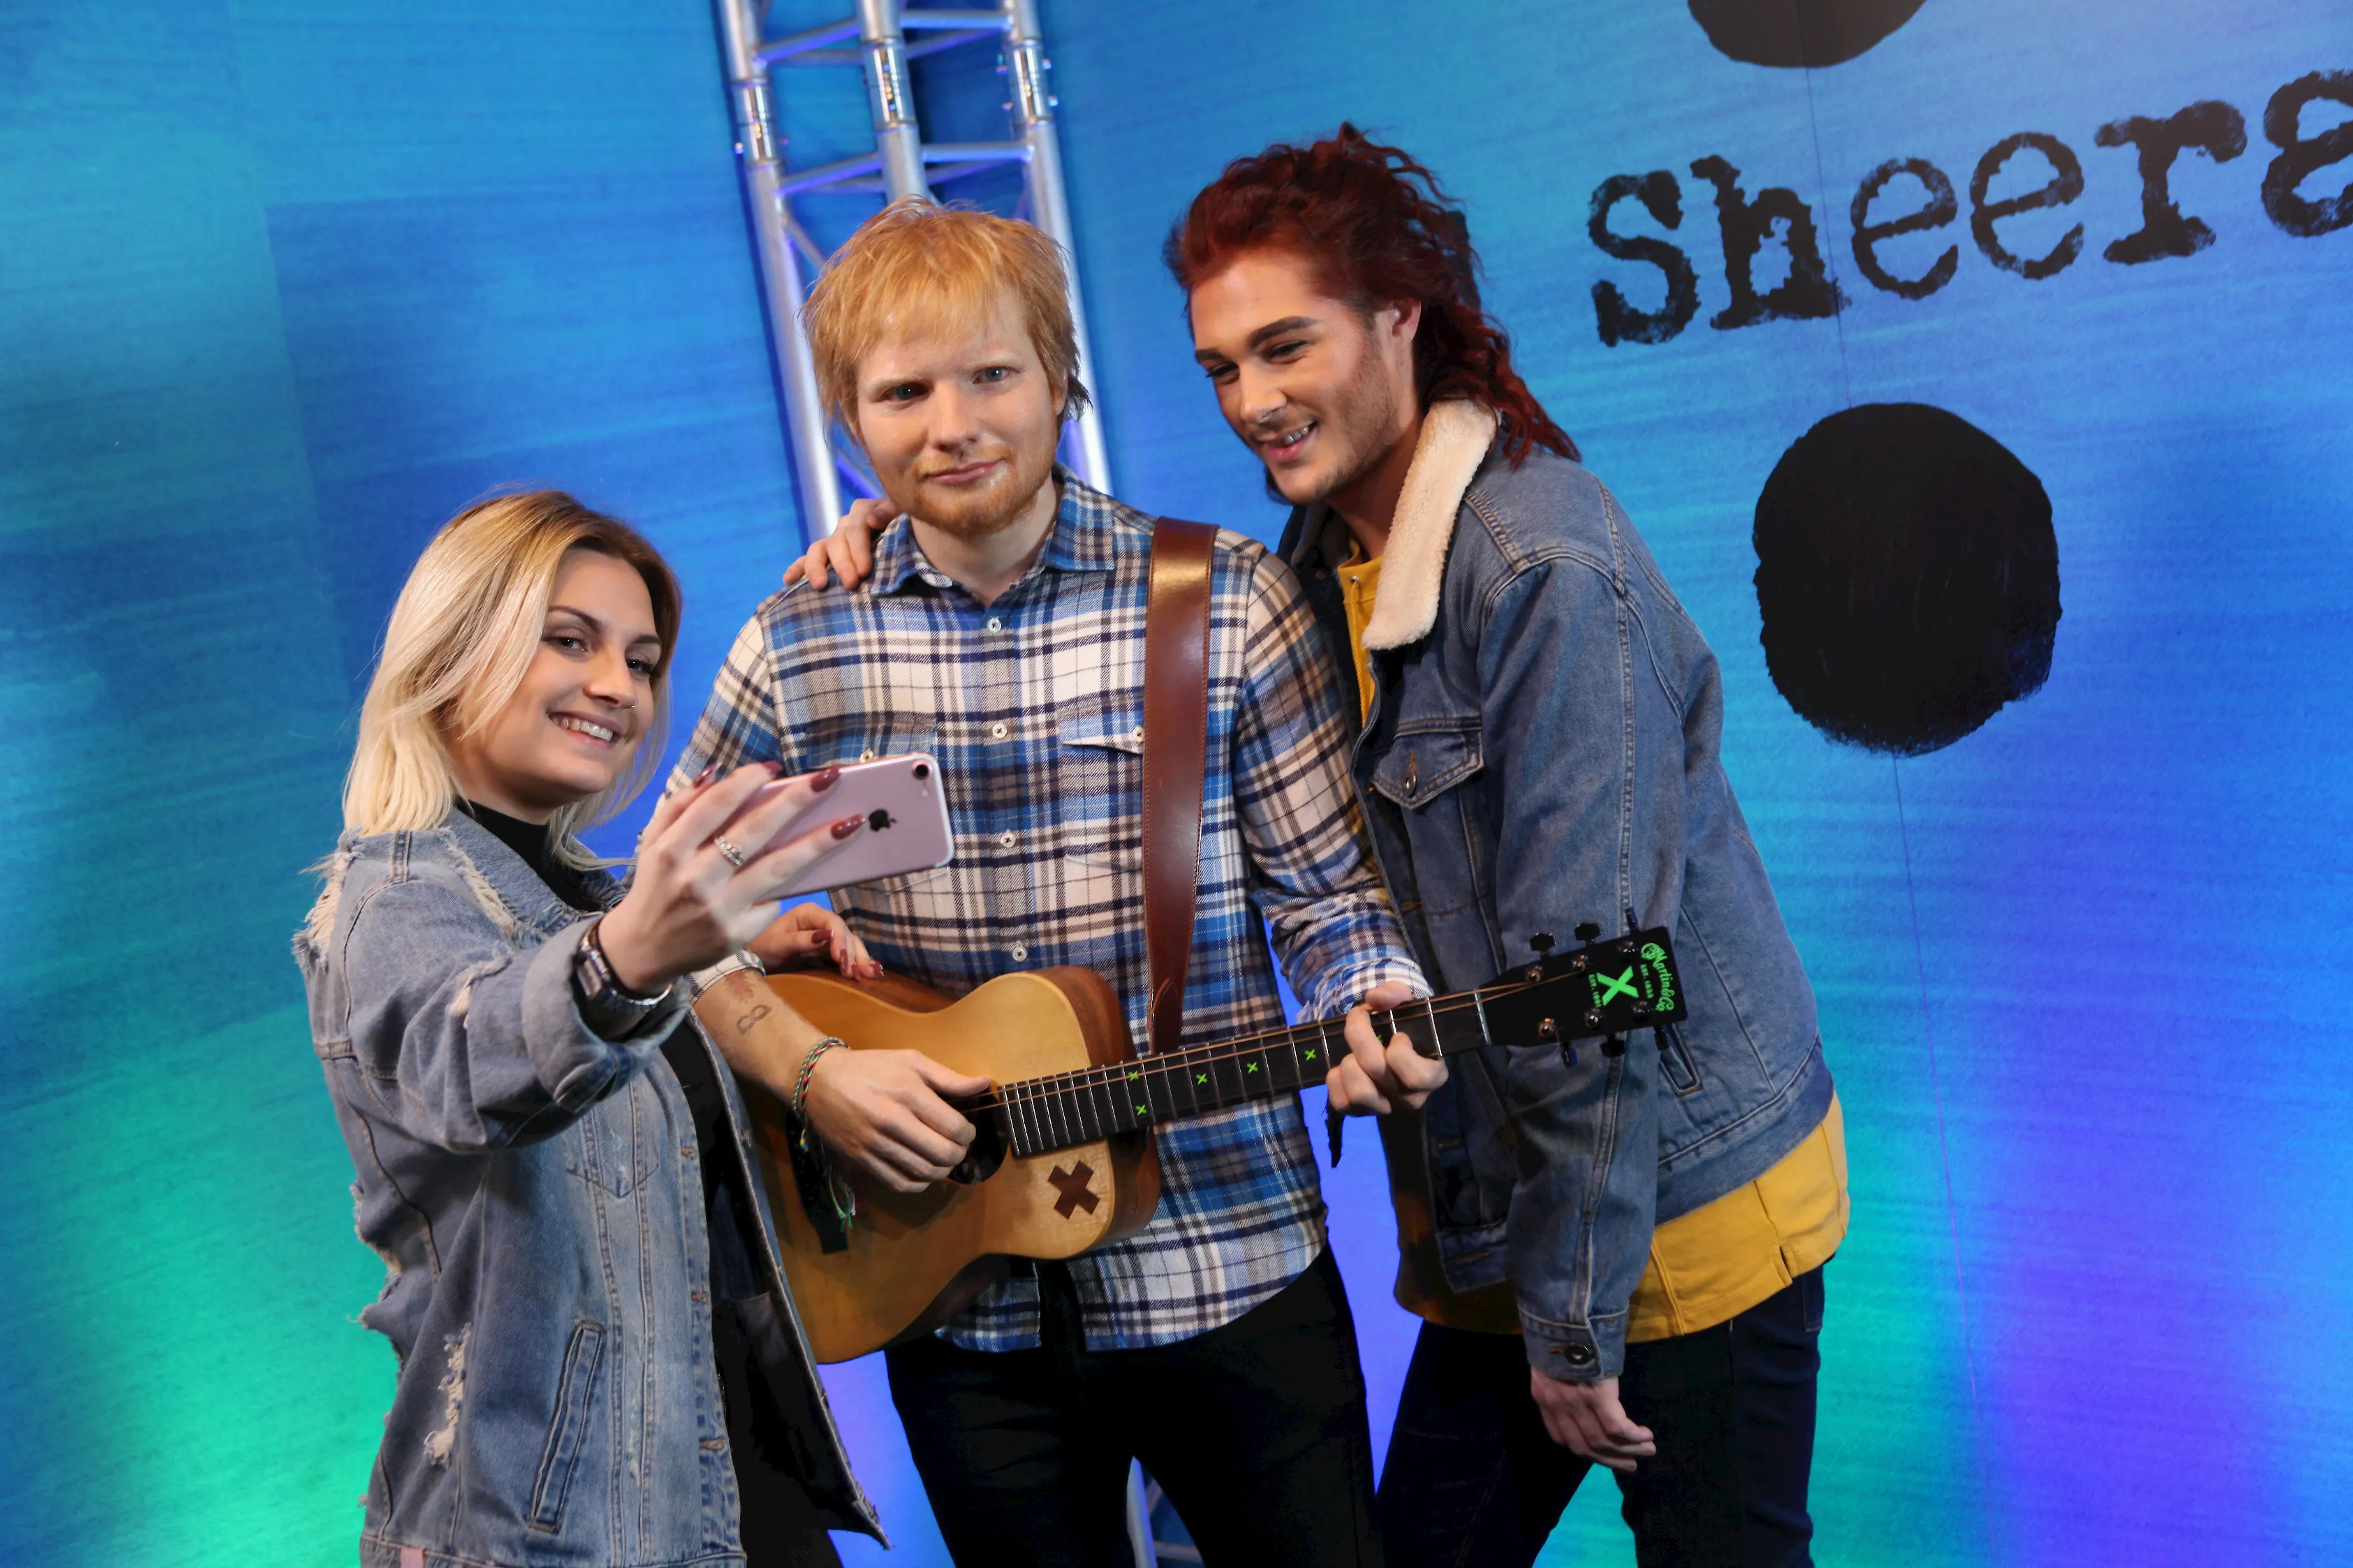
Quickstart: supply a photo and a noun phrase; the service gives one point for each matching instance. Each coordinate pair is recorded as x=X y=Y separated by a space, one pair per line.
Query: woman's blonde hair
x=917 y=266
x=463 y=632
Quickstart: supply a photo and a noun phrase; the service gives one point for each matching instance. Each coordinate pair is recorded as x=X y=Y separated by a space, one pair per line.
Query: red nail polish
x=824 y=778
x=775 y=769
x=704 y=776
x=848 y=826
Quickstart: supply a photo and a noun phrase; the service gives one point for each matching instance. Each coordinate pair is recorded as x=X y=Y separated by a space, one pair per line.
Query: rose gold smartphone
x=906 y=814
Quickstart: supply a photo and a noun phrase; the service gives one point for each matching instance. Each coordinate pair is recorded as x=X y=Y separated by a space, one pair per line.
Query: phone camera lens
x=922 y=770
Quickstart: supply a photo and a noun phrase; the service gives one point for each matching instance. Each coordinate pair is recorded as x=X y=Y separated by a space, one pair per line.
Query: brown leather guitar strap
x=1176 y=739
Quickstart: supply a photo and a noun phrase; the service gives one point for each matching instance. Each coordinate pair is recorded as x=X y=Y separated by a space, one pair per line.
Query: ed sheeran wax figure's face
x=961 y=425
x=1321 y=391
x=573 y=726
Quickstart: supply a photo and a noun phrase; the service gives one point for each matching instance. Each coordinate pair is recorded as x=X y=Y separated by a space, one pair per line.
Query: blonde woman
x=598 y=1363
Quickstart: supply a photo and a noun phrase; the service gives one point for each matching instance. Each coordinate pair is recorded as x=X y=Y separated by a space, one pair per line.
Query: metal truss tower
x=901 y=164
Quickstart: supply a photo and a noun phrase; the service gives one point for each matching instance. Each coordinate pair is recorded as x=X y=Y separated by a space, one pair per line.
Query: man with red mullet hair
x=1617 y=1259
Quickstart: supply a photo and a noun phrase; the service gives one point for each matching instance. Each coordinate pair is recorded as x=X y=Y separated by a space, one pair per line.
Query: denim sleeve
x=1582 y=747
x=465 y=1043
x=1311 y=857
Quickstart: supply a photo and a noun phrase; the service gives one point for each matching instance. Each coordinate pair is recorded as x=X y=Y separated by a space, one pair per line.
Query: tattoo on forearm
x=744 y=1025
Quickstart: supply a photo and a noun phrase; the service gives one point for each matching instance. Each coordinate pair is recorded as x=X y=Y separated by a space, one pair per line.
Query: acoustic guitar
x=1063 y=1159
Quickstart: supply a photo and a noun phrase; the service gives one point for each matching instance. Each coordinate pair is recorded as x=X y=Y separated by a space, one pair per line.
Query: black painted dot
x=1908 y=577
x=1792 y=33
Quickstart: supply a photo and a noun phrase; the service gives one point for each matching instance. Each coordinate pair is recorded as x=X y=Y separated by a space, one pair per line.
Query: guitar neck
x=1039 y=1115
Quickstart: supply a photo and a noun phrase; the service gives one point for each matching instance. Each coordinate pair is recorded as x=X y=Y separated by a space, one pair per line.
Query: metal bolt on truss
x=901 y=164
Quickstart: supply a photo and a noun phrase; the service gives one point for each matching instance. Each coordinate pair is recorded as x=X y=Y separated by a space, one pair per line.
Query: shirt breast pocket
x=1431 y=777
x=843 y=738
x=1099 y=782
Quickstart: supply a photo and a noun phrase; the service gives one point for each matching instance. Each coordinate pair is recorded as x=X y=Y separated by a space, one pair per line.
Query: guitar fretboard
x=1039 y=1115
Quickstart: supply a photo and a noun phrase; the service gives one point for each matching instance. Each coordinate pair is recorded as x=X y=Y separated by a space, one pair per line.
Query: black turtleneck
x=530 y=841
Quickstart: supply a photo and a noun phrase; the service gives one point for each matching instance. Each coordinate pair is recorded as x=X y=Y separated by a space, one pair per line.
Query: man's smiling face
x=961 y=423
x=1317 y=388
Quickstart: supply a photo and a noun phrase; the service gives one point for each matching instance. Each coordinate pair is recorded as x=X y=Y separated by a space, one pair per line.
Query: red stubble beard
x=976 y=511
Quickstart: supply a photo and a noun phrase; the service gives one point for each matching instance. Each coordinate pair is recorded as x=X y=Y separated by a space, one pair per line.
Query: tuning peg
x=1588 y=931
x=1541 y=941
x=1568 y=1056
x=1615 y=1046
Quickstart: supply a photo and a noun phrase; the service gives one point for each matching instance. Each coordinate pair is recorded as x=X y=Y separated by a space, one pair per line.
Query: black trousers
x=1256 y=1430
x=1472 y=1476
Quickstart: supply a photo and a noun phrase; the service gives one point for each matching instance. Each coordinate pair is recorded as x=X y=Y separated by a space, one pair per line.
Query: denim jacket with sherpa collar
x=536 y=1192
x=1542 y=752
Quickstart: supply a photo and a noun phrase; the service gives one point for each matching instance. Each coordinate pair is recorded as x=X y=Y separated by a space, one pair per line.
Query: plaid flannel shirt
x=1033 y=706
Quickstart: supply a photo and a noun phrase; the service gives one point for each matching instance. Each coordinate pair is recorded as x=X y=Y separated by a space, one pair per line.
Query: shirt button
x=867 y=755
x=999 y=732
x=1138 y=732
x=1021 y=954
x=996 y=624
x=1004 y=841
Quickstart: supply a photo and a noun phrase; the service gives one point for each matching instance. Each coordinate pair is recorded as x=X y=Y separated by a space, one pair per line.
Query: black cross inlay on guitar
x=1073 y=1186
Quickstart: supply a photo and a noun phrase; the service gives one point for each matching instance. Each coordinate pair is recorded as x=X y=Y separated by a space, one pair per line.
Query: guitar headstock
x=1601 y=988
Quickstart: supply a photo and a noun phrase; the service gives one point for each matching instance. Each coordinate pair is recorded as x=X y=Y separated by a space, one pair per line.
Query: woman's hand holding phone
x=690 y=905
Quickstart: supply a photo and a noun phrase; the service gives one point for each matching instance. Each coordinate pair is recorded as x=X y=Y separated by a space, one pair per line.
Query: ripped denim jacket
x=535 y=1194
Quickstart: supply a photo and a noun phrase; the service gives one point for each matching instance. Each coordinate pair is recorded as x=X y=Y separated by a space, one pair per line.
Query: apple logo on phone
x=878 y=819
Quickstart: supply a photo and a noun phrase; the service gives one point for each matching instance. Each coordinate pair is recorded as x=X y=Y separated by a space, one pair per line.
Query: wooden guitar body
x=1064 y=1160
x=918 y=1259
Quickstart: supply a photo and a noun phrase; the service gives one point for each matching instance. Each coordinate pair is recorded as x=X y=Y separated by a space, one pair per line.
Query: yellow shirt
x=1706 y=1266
x=1360 y=582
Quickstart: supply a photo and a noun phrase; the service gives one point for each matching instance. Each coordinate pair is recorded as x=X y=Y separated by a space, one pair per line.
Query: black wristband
x=612 y=1009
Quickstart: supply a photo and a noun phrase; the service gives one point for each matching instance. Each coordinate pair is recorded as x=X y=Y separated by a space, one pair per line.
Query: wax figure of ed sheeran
x=1619 y=1261
x=1002 y=631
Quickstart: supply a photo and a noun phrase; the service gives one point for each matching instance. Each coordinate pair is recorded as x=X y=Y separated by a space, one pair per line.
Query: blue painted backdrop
x=282 y=285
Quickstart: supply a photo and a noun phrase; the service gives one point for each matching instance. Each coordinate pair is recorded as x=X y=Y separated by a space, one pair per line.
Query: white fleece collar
x=1455 y=436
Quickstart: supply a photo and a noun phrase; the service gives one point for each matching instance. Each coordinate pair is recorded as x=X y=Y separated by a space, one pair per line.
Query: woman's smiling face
x=573 y=726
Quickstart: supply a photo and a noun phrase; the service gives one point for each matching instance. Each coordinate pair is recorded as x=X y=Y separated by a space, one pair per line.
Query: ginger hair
x=1377 y=230
x=918 y=265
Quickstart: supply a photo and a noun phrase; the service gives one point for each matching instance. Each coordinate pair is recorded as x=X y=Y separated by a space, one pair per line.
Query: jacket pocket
x=1423 y=765
x=1425 y=773
x=567 y=1430
x=1676 y=1068
x=601 y=1147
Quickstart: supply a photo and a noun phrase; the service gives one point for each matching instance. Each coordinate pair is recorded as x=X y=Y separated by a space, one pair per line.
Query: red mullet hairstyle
x=1376 y=227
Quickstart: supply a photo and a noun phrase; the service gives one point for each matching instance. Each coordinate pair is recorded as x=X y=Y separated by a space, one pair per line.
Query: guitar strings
x=1067 y=1085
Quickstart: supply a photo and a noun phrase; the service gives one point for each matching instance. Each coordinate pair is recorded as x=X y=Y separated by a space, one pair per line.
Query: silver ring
x=735 y=856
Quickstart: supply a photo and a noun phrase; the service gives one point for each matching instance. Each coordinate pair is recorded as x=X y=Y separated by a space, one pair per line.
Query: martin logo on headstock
x=1599 y=990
